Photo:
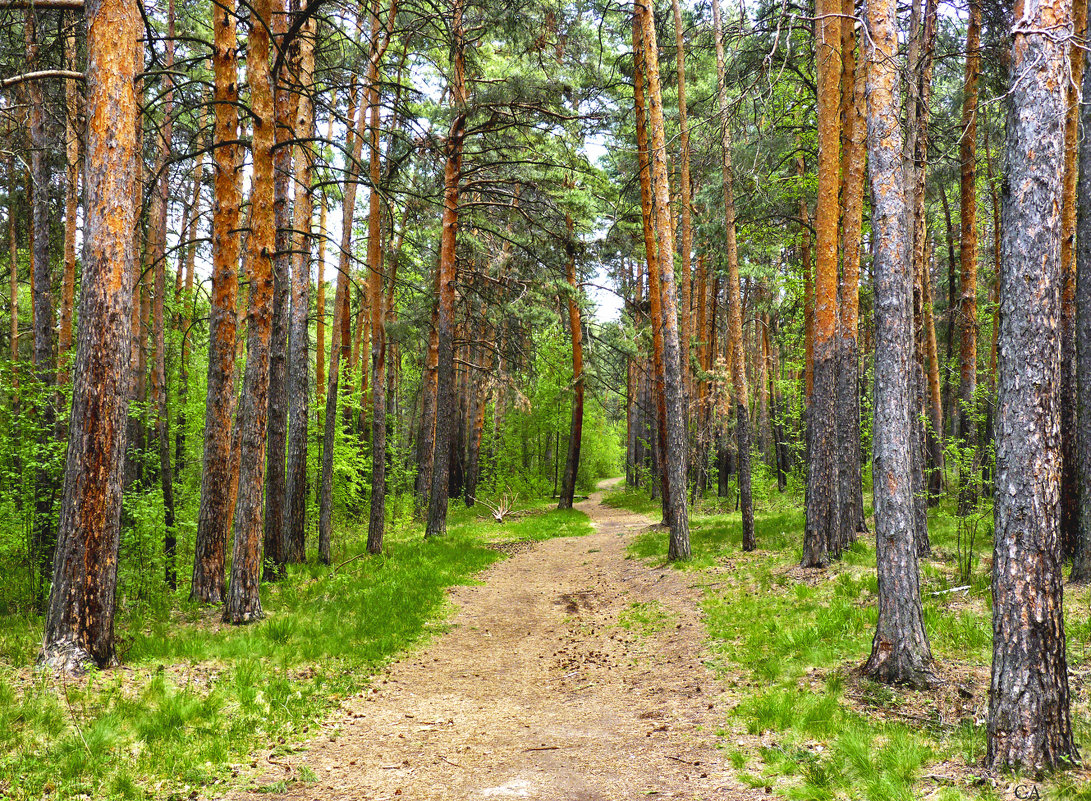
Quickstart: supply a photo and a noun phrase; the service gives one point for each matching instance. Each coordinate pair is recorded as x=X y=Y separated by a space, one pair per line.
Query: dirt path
x=538 y=692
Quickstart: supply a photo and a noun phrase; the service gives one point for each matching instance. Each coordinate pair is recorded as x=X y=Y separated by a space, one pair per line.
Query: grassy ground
x=194 y=697
x=787 y=643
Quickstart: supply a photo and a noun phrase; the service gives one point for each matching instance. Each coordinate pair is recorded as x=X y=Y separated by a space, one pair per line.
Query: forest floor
x=572 y=671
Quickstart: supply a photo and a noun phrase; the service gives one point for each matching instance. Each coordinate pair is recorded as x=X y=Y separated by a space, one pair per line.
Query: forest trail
x=538 y=692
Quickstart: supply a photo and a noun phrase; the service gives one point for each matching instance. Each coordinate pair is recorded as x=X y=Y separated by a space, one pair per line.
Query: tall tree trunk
x=1029 y=720
x=243 y=601
x=674 y=461
x=79 y=626
x=214 y=516
x=684 y=192
x=900 y=652
x=1081 y=561
x=951 y=313
x=448 y=275
x=157 y=243
x=651 y=253
x=853 y=135
x=71 y=204
x=295 y=505
x=426 y=441
x=275 y=548
x=1069 y=483
x=921 y=50
x=45 y=489
x=734 y=298
x=377 y=518
x=935 y=397
x=575 y=325
x=320 y=297
x=822 y=536
x=966 y=429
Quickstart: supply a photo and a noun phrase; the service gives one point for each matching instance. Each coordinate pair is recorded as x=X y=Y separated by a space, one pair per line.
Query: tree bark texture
x=900 y=653
x=214 y=516
x=651 y=253
x=275 y=547
x=674 y=461
x=1069 y=471
x=967 y=378
x=80 y=623
x=734 y=297
x=853 y=135
x=448 y=274
x=377 y=519
x=1029 y=720
x=295 y=505
x=243 y=602
x=822 y=535
x=575 y=325
x=1081 y=561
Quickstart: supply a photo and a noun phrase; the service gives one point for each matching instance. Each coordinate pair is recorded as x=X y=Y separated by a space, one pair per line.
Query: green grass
x=646 y=618
x=195 y=697
x=786 y=646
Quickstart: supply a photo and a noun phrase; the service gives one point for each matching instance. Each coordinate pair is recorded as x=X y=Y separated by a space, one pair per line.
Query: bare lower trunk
x=243 y=601
x=1029 y=719
x=734 y=306
x=448 y=274
x=674 y=461
x=822 y=535
x=214 y=516
x=80 y=623
x=1081 y=562
x=575 y=431
x=900 y=653
x=295 y=506
x=966 y=429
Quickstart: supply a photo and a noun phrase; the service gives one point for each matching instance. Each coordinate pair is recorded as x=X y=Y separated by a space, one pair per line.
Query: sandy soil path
x=538 y=692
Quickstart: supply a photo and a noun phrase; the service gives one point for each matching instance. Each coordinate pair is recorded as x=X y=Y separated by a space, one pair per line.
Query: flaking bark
x=1029 y=719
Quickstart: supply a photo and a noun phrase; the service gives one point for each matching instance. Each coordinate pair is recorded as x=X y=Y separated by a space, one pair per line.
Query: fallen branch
x=953 y=589
x=543 y=748
x=503 y=507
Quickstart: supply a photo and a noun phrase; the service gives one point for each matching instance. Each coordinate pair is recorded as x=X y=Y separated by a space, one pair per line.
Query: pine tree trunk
x=734 y=298
x=1081 y=561
x=900 y=653
x=1069 y=472
x=214 y=517
x=684 y=198
x=45 y=364
x=822 y=536
x=575 y=325
x=295 y=505
x=448 y=275
x=243 y=601
x=651 y=252
x=71 y=205
x=79 y=627
x=675 y=452
x=377 y=519
x=158 y=255
x=275 y=547
x=966 y=429
x=1029 y=719
x=853 y=135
